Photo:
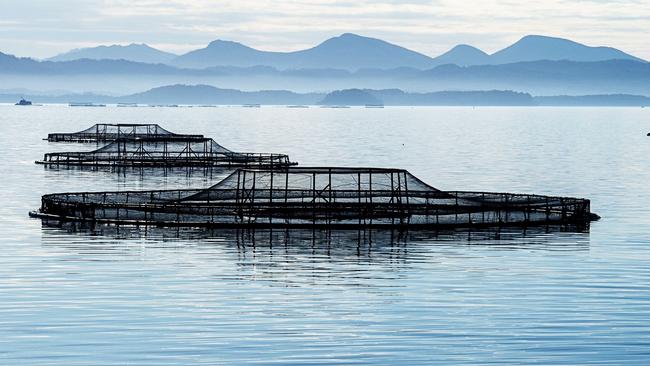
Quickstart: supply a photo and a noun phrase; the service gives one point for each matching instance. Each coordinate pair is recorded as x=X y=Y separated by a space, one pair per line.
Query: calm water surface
x=228 y=297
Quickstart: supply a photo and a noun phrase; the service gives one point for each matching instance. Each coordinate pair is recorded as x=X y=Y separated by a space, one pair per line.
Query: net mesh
x=103 y=132
x=172 y=146
x=173 y=151
x=319 y=196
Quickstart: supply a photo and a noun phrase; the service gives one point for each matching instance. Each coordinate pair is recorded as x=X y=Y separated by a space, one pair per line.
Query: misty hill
x=537 y=77
x=13 y=65
x=463 y=55
x=547 y=69
x=547 y=77
x=350 y=97
x=205 y=94
x=133 y=52
x=227 y=53
x=10 y=64
x=347 y=51
x=454 y=98
x=534 y=48
x=614 y=100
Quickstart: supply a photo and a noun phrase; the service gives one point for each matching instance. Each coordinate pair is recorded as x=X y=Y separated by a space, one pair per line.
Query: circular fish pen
x=106 y=132
x=317 y=197
x=172 y=151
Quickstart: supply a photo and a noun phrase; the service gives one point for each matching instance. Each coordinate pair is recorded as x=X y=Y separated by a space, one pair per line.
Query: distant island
x=210 y=95
x=351 y=97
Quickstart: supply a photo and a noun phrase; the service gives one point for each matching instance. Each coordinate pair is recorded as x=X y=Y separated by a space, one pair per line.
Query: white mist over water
x=225 y=297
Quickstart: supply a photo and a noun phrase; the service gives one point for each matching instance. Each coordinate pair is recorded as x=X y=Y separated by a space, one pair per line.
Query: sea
x=127 y=296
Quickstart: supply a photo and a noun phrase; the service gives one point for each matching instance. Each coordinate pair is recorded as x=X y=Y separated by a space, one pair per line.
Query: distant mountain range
x=538 y=77
x=351 y=97
x=209 y=95
x=132 y=52
x=348 y=51
x=463 y=55
x=534 y=48
x=535 y=64
x=352 y=52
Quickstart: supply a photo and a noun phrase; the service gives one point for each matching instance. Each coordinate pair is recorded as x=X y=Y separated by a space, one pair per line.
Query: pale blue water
x=230 y=298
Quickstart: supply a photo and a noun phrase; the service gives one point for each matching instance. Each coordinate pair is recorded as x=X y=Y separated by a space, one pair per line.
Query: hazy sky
x=43 y=28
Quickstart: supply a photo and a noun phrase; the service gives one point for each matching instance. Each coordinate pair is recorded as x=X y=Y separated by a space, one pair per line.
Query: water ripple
x=117 y=296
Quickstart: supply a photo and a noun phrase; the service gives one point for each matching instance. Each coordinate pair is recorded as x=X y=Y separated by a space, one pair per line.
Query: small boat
x=374 y=106
x=297 y=106
x=251 y=105
x=127 y=104
x=24 y=101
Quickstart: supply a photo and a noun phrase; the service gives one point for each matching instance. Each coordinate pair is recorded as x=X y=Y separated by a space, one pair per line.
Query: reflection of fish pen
x=309 y=237
x=141 y=173
x=317 y=197
x=104 y=132
x=166 y=152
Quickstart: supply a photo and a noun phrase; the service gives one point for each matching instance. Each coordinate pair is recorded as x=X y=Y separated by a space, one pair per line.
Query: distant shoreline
x=9 y=104
x=205 y=95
